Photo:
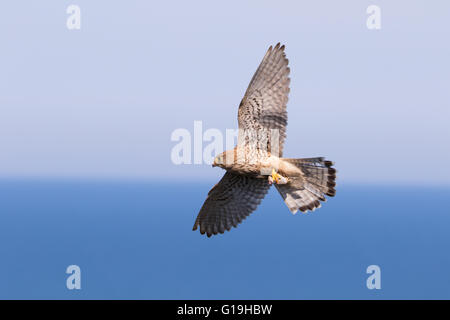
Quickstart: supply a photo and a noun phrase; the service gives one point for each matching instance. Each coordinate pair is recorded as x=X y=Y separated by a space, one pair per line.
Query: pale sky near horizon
x=102 y=101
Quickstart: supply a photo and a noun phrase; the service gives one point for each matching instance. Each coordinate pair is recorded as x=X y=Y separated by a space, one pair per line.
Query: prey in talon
x=279 y=179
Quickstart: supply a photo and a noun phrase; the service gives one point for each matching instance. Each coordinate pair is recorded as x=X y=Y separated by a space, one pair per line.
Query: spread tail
x=305 y=192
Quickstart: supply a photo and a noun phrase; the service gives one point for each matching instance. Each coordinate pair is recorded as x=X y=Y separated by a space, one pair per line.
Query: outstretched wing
x=264 y=104
x=229 y=202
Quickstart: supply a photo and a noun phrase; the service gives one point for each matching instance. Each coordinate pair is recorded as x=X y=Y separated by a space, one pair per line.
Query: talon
x=275 y=176
x=278 y=178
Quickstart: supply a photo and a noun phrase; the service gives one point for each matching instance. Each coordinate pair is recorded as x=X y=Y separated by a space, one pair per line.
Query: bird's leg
x=278 y=178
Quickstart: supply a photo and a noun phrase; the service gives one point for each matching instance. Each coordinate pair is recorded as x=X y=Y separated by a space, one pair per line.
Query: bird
x=256 y=163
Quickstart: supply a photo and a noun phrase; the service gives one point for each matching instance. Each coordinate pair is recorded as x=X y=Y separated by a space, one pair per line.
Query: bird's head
x=219 y=161
x=225 y=160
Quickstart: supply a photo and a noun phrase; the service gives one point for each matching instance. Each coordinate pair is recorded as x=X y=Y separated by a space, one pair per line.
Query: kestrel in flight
x=256 y=162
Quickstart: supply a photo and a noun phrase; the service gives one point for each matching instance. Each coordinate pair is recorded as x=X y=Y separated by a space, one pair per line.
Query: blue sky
x=102 y=101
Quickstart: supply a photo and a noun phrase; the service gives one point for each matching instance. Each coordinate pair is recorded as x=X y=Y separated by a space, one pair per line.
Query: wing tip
x=277 y=47
x=208 y=231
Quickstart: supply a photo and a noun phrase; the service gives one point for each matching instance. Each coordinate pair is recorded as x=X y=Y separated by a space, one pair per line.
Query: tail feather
x=305 y=192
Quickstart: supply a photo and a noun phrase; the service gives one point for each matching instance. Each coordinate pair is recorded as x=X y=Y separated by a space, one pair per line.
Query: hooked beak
x=214 y=164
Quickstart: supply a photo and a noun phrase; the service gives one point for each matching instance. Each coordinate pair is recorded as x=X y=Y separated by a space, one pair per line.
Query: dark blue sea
x=133 y=240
